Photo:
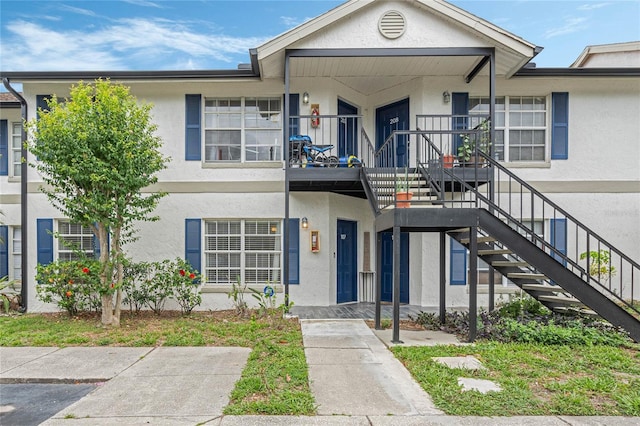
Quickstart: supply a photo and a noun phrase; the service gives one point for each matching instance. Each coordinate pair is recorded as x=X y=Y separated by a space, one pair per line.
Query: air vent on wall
x=392 y=24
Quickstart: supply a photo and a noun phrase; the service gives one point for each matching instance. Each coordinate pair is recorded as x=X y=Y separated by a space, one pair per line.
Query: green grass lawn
x=274 y=380
x=535 y=379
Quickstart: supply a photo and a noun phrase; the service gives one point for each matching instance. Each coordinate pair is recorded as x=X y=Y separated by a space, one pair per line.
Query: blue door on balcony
x=387 y=267
x=392 y=117
x=347 y=255
x=347 y=130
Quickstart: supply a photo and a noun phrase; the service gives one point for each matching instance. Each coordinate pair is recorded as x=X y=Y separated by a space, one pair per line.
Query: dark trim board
x=427 y=220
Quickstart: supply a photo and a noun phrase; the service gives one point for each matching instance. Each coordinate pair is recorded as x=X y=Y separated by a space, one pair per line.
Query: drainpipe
x=23 y=198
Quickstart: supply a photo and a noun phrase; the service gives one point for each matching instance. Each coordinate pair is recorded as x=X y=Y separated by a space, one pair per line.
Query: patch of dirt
x=404 y=325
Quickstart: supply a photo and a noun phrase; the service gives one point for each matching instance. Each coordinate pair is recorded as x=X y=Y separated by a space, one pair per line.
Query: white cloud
x=571 y=25
x=144 y=3
x=292 y=21
x=592 y=6
x=77 y=10
x=126 y=44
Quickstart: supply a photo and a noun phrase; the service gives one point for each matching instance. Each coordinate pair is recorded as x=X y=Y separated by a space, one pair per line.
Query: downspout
x=286 y=230
x=23 y=198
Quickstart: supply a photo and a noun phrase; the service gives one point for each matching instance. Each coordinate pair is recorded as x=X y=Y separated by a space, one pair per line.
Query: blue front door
x=347 y=254
x=387 y=267
x=347 y=130
x=392 y=117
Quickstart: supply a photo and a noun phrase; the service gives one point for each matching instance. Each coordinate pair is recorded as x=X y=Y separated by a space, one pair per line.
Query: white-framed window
x=521 y=131
x=249 y=249
x=74 y=239
x=242 y=129
x=15 y=271
x=16 y=149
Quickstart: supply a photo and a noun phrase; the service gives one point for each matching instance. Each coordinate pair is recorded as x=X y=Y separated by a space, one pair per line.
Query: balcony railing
x=328 y=141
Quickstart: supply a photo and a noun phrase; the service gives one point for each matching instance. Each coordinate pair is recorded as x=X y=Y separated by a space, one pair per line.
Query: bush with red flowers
x=73 y=285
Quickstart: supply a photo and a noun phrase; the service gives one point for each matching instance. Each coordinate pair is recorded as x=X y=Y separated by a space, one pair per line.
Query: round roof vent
x=392 y=24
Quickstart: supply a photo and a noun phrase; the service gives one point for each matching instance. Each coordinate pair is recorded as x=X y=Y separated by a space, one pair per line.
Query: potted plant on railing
x=403 y=191
x=470 y=141
x=447 y=159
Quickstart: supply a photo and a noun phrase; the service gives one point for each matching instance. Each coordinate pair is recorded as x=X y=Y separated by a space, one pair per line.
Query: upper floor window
x=520 y=126
x=243 y=129
x=16 y=149
x=74 y=239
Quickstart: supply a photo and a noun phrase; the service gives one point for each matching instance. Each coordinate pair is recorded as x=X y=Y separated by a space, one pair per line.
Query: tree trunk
x=105 y=274
x=117 y=248
x=107 y=310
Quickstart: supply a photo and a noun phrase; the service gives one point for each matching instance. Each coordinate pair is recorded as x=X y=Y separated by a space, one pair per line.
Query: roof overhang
x=512 y=52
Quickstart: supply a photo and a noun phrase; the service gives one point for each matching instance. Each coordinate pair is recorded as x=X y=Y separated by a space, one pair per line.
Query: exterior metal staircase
x=568 y=268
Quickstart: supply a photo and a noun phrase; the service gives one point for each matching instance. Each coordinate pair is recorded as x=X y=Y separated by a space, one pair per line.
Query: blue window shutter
x=294 y=251
x=4 y=251
x=192 y=243
x=458 y=263
x=560 y=126
x=193 y=135
x=294 y=109
x=558 y=236
x=4 y=148
x=44 y=232
x=41 y=102
x=459 y=106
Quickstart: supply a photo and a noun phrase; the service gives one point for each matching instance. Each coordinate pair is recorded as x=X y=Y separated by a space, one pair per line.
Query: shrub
x=151 y=284
x=186 y=289
x=73 y=286
x=526 y=320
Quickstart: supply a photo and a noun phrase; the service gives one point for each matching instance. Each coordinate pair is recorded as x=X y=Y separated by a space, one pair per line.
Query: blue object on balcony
x=350 y=161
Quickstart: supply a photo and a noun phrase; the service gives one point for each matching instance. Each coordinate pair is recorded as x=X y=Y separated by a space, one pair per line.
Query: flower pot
x=447 y=160
x=403 y=200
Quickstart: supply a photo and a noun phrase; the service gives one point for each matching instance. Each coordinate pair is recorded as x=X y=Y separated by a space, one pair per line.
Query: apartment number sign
x=394 y=120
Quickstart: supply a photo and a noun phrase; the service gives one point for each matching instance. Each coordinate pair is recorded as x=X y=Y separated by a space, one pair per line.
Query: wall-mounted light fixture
x=305 y=98
x=305 y=223
x=446 y=97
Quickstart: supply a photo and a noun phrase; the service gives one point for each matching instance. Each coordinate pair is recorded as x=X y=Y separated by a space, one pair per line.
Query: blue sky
x=203 y=34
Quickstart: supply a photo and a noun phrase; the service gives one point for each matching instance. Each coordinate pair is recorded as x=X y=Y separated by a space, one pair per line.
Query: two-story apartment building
x=382 y=90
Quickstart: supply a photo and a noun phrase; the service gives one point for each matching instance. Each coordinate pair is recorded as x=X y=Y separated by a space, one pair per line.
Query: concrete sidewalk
x=354 y=378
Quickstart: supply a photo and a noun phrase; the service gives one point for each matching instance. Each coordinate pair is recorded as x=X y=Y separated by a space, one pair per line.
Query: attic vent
x=392 y=24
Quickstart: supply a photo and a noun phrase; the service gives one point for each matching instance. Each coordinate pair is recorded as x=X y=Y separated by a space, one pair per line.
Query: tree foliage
x=96 y=151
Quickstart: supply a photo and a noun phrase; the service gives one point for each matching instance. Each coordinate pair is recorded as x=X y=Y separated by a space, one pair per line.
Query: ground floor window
x=74 y=240
x=15 y=272
x=245 y=249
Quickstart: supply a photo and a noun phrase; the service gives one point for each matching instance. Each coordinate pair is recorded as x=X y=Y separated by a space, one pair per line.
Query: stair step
x=570 y=309
x=560 y=299
x=487 y=252
x=542 y=287
x=515 y=263
x=481 y=239
x=526 y=275
x=456 y=231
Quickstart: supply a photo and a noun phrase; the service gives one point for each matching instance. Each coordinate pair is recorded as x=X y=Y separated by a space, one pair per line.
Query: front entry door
x=387 y=267
x=347 y=254
x=347 y=130
x=392 y=117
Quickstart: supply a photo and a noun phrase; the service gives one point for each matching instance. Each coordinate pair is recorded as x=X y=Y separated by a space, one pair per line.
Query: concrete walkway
x=354 y=378
x=352 y=372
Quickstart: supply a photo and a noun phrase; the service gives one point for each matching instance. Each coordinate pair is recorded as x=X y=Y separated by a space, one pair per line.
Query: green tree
x=96 y=151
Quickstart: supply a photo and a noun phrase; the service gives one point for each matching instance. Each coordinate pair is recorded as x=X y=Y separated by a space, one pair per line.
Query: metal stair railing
x=597 y=262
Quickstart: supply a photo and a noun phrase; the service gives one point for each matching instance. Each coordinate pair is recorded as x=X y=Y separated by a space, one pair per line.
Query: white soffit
x=512 y=52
